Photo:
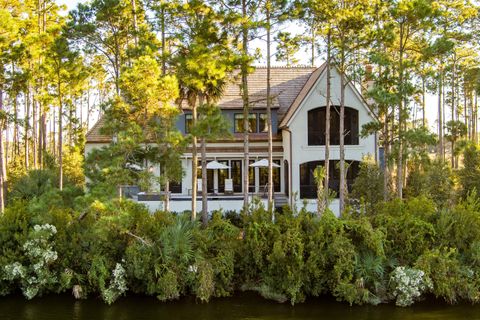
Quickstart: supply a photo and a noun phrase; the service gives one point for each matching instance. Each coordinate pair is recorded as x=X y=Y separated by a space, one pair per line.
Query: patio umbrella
x=263 y=164
x=216 y=165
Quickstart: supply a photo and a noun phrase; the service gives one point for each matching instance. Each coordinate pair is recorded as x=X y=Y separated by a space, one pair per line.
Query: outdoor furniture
x=263 y=164
x=228 y=186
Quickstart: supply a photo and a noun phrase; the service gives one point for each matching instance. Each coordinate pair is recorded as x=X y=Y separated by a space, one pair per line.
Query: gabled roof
x=312 y=80
x=286 y=84
x=94 y=135
x=302 y=94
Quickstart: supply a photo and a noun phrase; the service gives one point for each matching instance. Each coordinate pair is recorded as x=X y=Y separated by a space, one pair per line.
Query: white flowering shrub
x=36 y=275
x=409 y=284
x=118 y=285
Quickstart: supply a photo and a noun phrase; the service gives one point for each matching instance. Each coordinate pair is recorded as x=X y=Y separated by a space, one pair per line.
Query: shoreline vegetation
x=54 y=241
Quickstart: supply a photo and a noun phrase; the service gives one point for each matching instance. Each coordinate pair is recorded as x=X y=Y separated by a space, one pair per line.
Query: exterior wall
x=90 y=146
x=186 y=205
x=302 y=152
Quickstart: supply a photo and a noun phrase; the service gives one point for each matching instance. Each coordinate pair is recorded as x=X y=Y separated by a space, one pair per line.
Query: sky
x=303 y=56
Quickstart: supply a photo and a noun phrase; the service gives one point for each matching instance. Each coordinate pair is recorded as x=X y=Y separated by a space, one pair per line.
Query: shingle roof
x=94 y=135
x=286 y=84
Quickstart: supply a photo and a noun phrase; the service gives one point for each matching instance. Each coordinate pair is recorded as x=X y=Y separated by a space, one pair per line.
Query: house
x=298 y=126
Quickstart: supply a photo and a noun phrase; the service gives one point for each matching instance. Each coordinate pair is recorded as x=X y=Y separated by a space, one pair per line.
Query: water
x=242 y=306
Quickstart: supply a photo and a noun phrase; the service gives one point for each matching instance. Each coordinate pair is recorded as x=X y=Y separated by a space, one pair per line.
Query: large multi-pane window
x=257 y=122
x=308 y=186
x=316 y=126
x=252 y=122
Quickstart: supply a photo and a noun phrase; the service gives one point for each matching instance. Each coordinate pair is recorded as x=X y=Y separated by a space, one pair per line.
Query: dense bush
x=400 y=252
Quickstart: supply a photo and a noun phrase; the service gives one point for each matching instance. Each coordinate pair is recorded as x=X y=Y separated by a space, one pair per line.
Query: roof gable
x=312 y=82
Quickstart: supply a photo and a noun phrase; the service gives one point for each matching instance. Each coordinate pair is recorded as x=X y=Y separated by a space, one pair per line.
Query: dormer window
x=262 y=122
x=252 y=122
x=316 y=126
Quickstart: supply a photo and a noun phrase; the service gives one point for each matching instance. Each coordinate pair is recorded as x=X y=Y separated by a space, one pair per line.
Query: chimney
x=368 y=83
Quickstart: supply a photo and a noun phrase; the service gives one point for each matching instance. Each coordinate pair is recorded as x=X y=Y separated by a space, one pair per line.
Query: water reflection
x=243 y=306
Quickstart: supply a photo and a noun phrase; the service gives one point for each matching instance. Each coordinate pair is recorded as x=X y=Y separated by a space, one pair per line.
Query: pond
x=242 y=306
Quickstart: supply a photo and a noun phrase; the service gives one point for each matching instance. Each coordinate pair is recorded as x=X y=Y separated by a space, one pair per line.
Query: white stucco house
x=298 y=125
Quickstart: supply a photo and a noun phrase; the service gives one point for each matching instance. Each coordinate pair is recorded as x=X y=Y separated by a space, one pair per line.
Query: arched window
x=308 y=187
x=316 y=126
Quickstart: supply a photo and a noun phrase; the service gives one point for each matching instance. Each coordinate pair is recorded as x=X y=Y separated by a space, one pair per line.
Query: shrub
x=408 y=285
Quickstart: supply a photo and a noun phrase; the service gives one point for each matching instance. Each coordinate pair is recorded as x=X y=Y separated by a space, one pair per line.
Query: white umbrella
x=263 y=164
x=216 y=165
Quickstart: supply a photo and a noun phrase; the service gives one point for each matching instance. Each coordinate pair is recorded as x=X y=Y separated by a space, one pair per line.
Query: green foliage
x=469 y=175
x=368 y=186
x=287 y=47
x=36 y=183
x=434 y=180
x=417 y=233
x=400 y=252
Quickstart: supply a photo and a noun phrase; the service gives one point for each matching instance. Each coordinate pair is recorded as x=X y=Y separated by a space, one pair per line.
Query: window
x=188 y=122
x=210 y=187
x=262 y=122
x=308 y=187
x=236 y=174
x=222 y=175
x=175 y=187
x=251 y=178
x=316 y=126
x=276 y=177
x=252 y=122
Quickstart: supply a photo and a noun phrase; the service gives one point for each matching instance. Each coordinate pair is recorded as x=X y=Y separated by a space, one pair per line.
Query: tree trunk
x=313 y=43
x=164 y=46
x=269 y=119
x=343 y=183
x=204 y=182
x=27 y=127
x=54 y=135
x=34 y=134
x=244 y=87
x=44 y=137
x=203 y=150
x=386 y=154
x=400 y=118
x=167 y=196
x=424 y=106
x=453 y=111
x=440 y=116
x=60 y=134
x=327 y=125
x=2 y=162
x=194 y=165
